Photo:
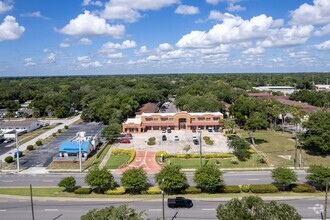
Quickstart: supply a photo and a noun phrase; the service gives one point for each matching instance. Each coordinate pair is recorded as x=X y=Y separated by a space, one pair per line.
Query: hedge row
x=263 y=188
x=83 y=191
x=117 y=191
x=231 y=189
x=131 y=154
x=206 y=156
x=302 y=188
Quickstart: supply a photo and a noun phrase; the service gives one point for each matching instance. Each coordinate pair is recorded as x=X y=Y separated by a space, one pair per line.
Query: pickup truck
x=179 y=202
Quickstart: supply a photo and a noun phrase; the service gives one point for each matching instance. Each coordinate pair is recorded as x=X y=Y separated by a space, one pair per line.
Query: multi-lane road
x=231 y=178
x=19 y=208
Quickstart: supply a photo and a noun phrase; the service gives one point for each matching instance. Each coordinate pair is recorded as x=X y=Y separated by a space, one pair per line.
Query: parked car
x=124 y=141
x=194 y=136
x=193 y=130
x=216 y=130
x=209 y=129
x=8 y=140
x=169 y=130
x=196 y=141
x=163 y=131
x=199 y=129
x=179 y=202
x=164 y=138
x=20 y=154
x=176 y=138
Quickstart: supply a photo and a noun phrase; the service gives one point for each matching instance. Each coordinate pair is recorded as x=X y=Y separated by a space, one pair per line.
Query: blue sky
x=80 y=37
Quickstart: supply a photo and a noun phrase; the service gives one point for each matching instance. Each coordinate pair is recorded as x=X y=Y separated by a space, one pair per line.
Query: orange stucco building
x=174 y=121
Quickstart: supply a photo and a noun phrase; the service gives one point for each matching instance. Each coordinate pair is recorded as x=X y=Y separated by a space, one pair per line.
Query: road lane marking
x=51 y=210
x=208 y=209
x=7 y=181
x=155 y=210
x=253 y=179
x=3 y=210
x=48 y=181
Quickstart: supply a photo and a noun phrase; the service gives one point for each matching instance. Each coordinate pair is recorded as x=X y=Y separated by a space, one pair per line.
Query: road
x=12 y=208
x=231 y=178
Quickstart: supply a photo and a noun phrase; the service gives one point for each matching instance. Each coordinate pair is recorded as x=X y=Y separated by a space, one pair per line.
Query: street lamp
x=17 y=151
x=200 y=147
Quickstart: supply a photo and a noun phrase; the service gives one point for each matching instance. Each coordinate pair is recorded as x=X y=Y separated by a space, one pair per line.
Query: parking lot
x=139 y=142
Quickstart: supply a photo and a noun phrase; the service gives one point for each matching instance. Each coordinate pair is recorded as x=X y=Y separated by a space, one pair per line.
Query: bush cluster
x=9 y=159
x=206 y=156
x=301 y=188
x=193 y=190
x=66 y=127
x=231 y=189
x=208 y=140
x=154 y=190
x=151 y=141
x=117 y=191
x=263 y=188
x=245 y=188
x=30 y=148
x=131 y=154
x=83 y=191
x=38 y=142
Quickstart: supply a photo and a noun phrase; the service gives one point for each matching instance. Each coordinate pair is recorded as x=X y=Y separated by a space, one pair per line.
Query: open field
x=275 y=144
x=224 y=163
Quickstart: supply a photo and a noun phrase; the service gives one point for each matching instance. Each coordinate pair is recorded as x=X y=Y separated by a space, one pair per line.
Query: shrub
x=131 y=153
x=66 y=127
x=221 y=156
x=54 y=134
x=69 y=183
x=30 y=148
x=231 y=189
x=263 y=188
x=261 y=159
x=245 y=188
x=154 y=190
x=59 y=131
x=251 y=151
x=83 y=191
x=151 y=141
x=131 y=156
x=159 y=153
x=193 y=190
x=234 y=161
x=9 y=159
x=208 y=140
x=38 y=142
x=301 y=188
x=117 y=191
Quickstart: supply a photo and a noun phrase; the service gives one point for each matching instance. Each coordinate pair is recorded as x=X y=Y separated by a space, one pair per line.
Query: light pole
x=200 y=148
x=163 y=199
x=17 y=150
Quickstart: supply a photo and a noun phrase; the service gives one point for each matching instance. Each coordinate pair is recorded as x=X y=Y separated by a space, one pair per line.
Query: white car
x=176 y=138
x=194 y=137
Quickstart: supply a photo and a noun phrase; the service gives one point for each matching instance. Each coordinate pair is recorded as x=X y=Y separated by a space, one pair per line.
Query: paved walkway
x=144 y=159
x=42 y=136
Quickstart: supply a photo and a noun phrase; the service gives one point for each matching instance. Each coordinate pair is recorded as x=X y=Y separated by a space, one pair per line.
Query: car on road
x=176 y=138
x=124 y=141
x=20 y=154
x=179 y=202
x=8 y=140
x=196 y=142
x=164 y=138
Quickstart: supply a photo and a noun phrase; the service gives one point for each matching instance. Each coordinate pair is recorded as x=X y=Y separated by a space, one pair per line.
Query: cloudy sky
x=70 y=37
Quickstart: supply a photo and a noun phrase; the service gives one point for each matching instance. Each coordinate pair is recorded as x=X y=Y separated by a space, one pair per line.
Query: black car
x=179 y=202
x=164 y=138
x=169 y=130
x=196 y=142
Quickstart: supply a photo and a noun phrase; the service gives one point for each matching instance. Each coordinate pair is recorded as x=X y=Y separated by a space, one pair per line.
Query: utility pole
x=163 y=199
x=80 y=157
x=17 y=151
x=326 y=199
x=31 y=202
x=200 y=148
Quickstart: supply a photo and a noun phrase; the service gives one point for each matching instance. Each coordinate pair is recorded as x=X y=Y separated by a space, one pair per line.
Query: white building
x=284 y=89
x=322 y=87
x=19 y=126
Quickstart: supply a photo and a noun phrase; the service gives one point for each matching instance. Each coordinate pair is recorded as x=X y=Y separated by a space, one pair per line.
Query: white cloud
x=46 y=50
x=323 y=31
x=36 y=14
x=165 y=47
x=91 y=64
x=51 y=58
x=90 y=2
x=318 y=13
x=129 y=11
x=29 y=62
x=88 y=24
x=232 y=7
x=213 y=2
x=10 y=29
x=216 y=15
x=254 y=51
x=64 y=45
x=85 y=41
x=186 y=10
x=5 y=6
x=83 y=59
x=115 y=55
x=277 y=60
x=110 y=46
x=299 y=54
x=323 y=46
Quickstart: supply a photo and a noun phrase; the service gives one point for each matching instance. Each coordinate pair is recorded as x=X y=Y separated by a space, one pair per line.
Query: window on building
x=164 y=119
x=182 y=120
x=148 y=119
x=155 y=119
x=216 y=118
x=201 y=119
x=208 y=119
x=192 y=119
x=171 y=119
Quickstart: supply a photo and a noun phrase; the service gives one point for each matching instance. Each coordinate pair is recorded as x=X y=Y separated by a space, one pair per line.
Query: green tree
x=253 y=207
x=175 y=181
x=229 y=124
x=317 y=136
x=100 y=180
x=9 y=115
x=318 y=174
x=209 y=178
x=111 y=132
x=123 y=212
x=69 y=183
x=241 y=148
x=135 y=180
x=256 y=122
x=284 y=176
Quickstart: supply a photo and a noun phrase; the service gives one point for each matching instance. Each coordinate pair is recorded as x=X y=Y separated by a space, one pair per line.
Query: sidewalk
x=42 y=136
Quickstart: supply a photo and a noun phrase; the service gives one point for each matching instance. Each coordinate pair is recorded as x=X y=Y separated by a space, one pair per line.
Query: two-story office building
x=173 y=121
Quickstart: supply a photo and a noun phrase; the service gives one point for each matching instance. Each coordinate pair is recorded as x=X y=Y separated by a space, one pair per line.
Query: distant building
x=24 y=112
x=284 y=89
x=173 y=121
x=322 y=87
x=19 y=126
x=3 y=113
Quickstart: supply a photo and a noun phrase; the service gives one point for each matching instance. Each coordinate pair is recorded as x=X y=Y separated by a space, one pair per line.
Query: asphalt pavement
x=44 y=155
x=44 y=208
x=231 y=178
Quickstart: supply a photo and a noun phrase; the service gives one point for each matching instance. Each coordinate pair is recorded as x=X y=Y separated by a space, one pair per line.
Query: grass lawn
x=224 y=163
x=30 y=135
x=58 y=192
x=117 y=161
x=275 y=143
